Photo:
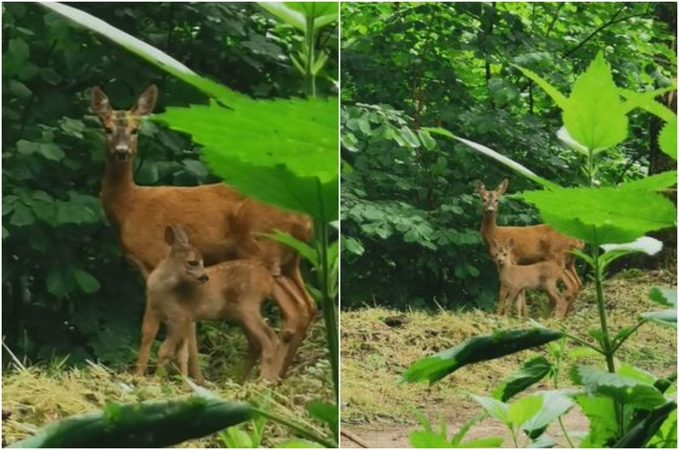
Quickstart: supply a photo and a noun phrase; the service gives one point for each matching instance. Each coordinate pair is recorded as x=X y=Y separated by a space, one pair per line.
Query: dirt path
x=388 y=435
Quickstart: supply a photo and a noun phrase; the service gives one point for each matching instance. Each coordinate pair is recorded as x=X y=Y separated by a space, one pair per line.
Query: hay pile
x=36 y=396
x=374 y=355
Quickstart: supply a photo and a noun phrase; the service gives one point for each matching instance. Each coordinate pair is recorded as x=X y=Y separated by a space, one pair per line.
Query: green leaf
x=558 y=97
x=628 y=391
x=278 y=186
x=554 y=404
x=5 y=233
x=285 y=13
x=496 y=156
x=488 y=442
x=299 y=134
x=477 y=349
x=667 y=317
x=409 y=137
x=427 y=439
x=645 y=429
x=60 y=281
x=327 y=413
x=22 y=215
x=603 y=215
x=664 y=296
x=600 y=411
x=307 y=251
x=426 y=139
x=594 y=115
x=86 y=281
x=234 y=437
x=522 y=410
x=494 y=408
x=50 y=75
x=656 y=182
x=141 y=424
x=18 y=49
x=51 y=151
x=532 y=371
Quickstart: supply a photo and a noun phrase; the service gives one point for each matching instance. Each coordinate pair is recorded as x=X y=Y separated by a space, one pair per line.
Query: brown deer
x=140 y=214
x=533 y=243
x=516 y=279
x=181 y=291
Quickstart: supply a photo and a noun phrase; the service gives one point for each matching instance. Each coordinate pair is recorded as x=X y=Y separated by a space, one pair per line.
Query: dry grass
x=37 y=395
x=374 y=355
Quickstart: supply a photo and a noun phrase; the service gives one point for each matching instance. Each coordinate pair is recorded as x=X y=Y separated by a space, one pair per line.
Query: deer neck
x=116 y=187
x=488 y=225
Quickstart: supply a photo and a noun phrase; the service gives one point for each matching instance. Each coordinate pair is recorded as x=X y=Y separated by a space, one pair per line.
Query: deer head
x=502 y=253
x=490 y=198
x=184 y=254
x=122 y=126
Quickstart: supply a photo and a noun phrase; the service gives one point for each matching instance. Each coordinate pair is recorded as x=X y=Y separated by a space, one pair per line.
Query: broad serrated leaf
x=603 y=215
x=554 y=405
x=594 y=115
x=495 y=408
x=522 y=410
x=626 y=390
x=667 y=140
x=477 y=349
x=600 y=411
x=299 y=134
x=655 y=182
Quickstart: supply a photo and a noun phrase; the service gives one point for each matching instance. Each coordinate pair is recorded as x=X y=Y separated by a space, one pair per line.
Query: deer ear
x=180 y=235
x=100 y=104
x=502 y=187
x=480 y=188
x=146 y=102
x=493 y=243
x=510 y=244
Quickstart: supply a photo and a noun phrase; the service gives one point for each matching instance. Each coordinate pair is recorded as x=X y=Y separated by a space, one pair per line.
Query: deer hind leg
x=520 y=302
x=295 y=274
x=560 y=304
x=296 y=321
x=149 y=330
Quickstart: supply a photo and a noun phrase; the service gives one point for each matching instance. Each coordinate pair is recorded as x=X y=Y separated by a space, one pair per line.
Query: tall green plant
x=300 y=173
x=626 y=407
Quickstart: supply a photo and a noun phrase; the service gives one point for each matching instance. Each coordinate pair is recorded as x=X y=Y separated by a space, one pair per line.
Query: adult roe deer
x=534 y=243
x=516 y=279
x=181 y=291
x=140 y=214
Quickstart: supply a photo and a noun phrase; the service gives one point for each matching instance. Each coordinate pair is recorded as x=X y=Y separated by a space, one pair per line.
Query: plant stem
x=329 y=306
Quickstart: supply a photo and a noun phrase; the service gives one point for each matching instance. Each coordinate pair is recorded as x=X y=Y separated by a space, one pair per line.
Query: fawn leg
x=521 y=309
x=254 y=351
x=193 y=363
x=501 y=299
x=149 y=329
x=561 y=305
x=259 y=339
x=296 y=276
x=176 y=335
x=295 y=324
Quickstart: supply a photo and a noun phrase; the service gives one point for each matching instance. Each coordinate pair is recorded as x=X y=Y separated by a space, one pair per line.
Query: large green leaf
x=477 y=349
x=279 y=186
x=603 y=215
x=600 y=410
x=626 y=390
x=554 y=405
x=301 y=134
x=594 y=115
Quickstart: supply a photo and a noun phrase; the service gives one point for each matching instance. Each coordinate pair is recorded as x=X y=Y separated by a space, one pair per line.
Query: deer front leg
x=149 y=330
x=193 y=362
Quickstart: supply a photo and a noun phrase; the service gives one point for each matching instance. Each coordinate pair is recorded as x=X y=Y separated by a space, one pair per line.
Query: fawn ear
x=480 y=188
x=100 y=104
x=180 y=235
x=146 y=102
x=510 y=244
x=502 y=187
x=493 y=243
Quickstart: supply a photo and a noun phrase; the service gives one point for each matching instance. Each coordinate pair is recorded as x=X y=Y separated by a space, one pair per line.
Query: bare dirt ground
x=380 y=411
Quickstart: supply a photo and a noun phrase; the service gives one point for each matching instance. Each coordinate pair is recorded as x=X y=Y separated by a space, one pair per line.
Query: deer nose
x=121 y=151
x=203 y=278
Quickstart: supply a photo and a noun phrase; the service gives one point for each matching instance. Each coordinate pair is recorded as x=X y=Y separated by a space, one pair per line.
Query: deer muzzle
x=203 y=278
x=122 y=152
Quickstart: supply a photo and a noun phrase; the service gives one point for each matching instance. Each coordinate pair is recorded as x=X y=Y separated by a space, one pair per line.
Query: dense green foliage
x=410 y=218
x=66 y=288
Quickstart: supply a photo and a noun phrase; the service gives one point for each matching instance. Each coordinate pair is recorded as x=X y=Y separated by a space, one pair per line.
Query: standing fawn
x=140 y=214
x=516 y=279
x=534 y=243
x=180 y=291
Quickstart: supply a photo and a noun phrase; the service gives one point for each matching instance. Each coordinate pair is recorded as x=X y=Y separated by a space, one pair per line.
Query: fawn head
x=185 y=254
x=502 y=253
x=122 y=126
x=490 y=198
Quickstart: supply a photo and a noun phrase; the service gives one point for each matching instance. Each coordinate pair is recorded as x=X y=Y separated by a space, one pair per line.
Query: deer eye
x=109 y=130
x=193 y=263
x=134 y=131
